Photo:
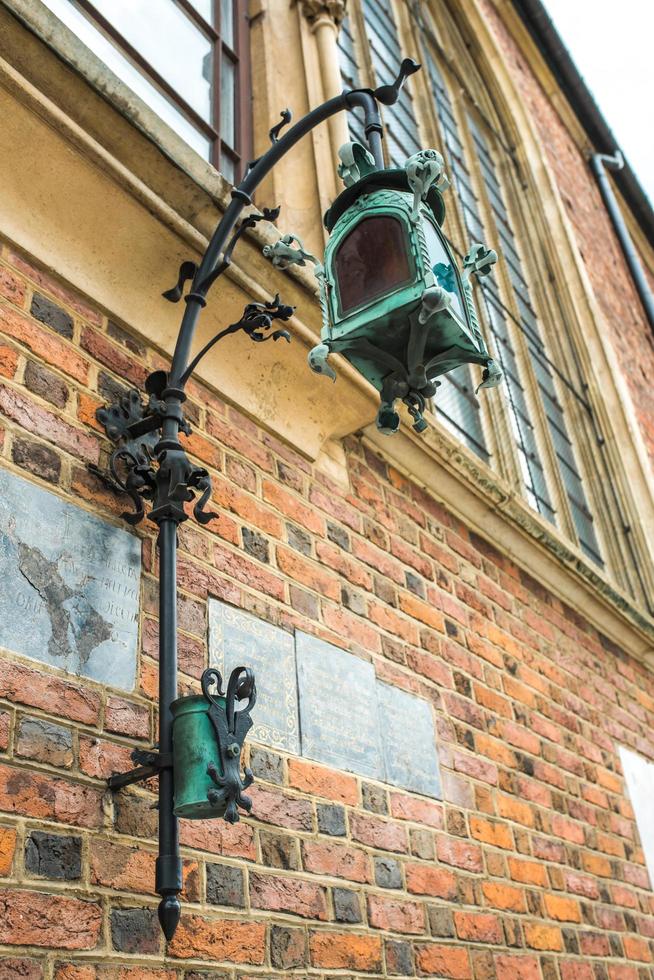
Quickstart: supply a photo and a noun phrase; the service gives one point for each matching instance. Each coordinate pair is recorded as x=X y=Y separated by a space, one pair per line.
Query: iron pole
x=169 y=862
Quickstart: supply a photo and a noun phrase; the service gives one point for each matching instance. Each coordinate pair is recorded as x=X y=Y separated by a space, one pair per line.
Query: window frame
x=610 y=508
x=239 y=54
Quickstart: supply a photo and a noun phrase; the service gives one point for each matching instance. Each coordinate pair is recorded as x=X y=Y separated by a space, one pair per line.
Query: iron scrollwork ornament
x=231 y=727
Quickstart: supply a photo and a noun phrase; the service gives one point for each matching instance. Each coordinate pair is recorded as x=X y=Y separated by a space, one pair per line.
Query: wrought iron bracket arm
x=150 y=763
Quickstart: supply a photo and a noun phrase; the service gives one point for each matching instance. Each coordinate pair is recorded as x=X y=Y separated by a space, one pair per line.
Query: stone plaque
x=238 y=639
x=408 y=741
x=70 y=585
x=338 y=707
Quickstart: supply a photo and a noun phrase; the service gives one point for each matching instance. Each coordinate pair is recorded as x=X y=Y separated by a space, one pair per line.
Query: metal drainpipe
x=600 y=163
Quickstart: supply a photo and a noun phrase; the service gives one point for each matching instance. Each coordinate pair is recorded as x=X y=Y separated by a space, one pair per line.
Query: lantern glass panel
x=371 y=261
x=443 y=267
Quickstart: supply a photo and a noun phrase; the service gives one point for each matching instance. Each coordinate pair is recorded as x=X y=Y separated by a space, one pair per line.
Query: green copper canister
x=194 y=750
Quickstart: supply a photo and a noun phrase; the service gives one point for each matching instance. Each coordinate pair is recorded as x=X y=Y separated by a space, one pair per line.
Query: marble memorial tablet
x=70 y=585
x=408 y=741
x=237 y=638
x=338 y=707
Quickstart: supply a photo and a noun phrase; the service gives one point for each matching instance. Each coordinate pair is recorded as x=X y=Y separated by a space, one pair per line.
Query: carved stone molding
x=315 y=10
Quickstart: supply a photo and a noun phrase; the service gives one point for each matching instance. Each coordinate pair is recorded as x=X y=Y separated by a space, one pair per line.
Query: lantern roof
x=394 y=179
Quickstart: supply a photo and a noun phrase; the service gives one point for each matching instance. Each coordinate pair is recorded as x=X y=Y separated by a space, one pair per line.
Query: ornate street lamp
x=394 y=304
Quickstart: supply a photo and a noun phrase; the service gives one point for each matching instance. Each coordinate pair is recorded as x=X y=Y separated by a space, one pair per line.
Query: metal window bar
x=402 y=138
x=554 y=413
x=523 y=434
x=350 y=77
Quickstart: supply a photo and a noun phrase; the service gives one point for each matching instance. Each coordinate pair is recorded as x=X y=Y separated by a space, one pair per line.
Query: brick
x=517 y=967
x=422 y=611
x=331 y=819
x=308 y=573
x=45 y=742
x=241 y=436
x=46 y=345
x=35 y=688
x=101 y=759
x=36 y=458
x=221 y=838
x=122 y=868
x=256 y=545
x=562 y=909
x=253 y=574
x=378 y=833
x=427 y=879
x=318 y=781
x=347 y=905
x=43 y=382
x=374 y=798
x=17 y=968
x=388 y=872
x=344 y=623
x=516 y=810
x=33 y=919
x=293 y=507
x=234 y=499
x=135 y=930
x=126 y=717
x=8 y=360
x=288 y=948
x=574 y=970
x=225 y=885
x=396 y=915
x=103 y=350
x=443 y=961
x=459 y=854
x=399 y=958
x=279 y=851
x=336 y=860
x=345 y=951
x=47 y=312
x=543 y=937
x=273 y=807
x=45 y=797
x=417 y=810
x=38 y=420
x=528 y=872
x=504 y=896
x=292 y=895
x=53 y=856
x=496 y=834
x=266 y=765
x=237 y=942
x=7 y=849
x=478 y=927
x=12 y=287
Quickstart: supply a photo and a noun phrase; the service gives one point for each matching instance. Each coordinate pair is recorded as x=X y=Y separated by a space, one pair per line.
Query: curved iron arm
x=365 y=99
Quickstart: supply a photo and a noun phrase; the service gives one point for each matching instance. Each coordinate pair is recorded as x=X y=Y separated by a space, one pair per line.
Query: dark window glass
x=372 y=260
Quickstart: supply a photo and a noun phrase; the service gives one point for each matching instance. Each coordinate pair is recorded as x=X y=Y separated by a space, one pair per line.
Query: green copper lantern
x=395 y=302
x=208 y=737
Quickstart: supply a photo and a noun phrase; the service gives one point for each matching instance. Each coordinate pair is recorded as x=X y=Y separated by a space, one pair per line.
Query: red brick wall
x=529 y=868
x=630 y=334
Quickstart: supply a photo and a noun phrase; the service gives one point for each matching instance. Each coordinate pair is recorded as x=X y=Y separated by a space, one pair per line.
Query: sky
x=611 y=45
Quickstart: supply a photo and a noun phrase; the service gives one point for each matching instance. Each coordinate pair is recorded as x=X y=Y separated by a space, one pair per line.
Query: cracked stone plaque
x=408 y=741
x=338 y=707
x=236 y=639
x=70 y=585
